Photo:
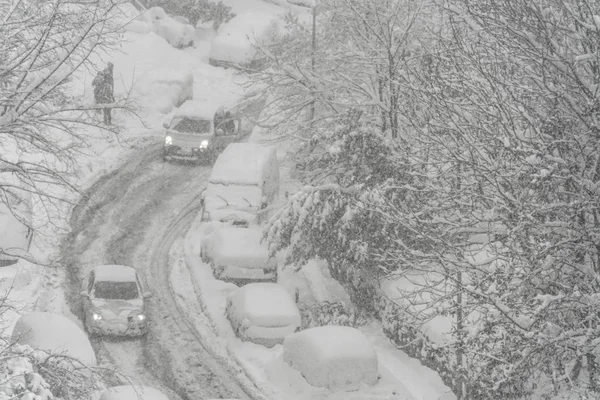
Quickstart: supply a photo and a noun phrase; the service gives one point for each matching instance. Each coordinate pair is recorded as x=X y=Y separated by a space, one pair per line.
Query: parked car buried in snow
x=243 y=184
x=335 y=357
x=113 y=302
x=263 y=313
x=198 y=132
x=236 y=253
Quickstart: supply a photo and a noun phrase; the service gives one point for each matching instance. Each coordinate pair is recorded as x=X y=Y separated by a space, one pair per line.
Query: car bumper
x=117 y=328
x=177 y=153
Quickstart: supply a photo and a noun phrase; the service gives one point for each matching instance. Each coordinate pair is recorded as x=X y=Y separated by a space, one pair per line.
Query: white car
x=237 y=253
x=263 y=313
x=113 y=302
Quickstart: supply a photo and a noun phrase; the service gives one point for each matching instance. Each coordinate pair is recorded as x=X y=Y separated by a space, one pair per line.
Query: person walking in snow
x=104 y=86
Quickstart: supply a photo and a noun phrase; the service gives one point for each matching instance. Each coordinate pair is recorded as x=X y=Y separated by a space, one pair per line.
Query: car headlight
x=96 y=317
x=168 y=140
x=204 y=144
x=137 y=316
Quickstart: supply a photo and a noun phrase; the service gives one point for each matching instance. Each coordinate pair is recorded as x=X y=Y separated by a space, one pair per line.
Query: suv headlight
x=204 y=144
x=168 y=140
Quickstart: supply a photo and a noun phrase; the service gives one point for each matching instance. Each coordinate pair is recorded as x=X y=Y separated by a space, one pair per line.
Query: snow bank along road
x=132 y=216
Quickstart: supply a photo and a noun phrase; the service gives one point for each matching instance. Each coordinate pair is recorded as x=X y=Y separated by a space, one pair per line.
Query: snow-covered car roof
x=242 y=164
x=128 y=392
x=337 y=357
x=54 y=333
x=240 y=247
x=114 y=273
x=197 y=109
x=265 y=304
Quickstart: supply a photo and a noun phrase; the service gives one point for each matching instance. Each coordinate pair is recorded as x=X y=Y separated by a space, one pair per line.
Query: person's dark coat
x=103 y=85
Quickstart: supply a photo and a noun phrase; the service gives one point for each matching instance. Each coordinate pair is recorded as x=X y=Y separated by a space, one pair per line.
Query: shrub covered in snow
x=178 y=34
x=198 y=11
x=336 y=357
x=331 y=313
x=18 y=379
x=29 y=374
x=263 y=313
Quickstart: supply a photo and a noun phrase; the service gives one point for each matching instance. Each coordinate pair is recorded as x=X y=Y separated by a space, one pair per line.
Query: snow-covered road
x=132 y=216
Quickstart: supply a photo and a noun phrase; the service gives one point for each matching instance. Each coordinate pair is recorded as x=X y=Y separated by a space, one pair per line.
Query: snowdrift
x=336 y=357
x=54 y=333
x=127 y=392
x=235 y=42
x=157 y=85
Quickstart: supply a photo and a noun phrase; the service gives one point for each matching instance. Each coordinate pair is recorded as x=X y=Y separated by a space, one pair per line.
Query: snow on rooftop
x=338 y=357
x=266 y=304
x=243 y=164
x=54 y=333
x=240 y=247
x=118 y=273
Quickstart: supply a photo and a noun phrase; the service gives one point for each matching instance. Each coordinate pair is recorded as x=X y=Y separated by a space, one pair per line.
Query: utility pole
x=314 y=53
x=313 y=56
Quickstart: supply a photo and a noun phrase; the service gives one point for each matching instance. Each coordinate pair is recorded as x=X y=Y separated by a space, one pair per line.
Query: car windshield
x=116 y=290
x=187 y=125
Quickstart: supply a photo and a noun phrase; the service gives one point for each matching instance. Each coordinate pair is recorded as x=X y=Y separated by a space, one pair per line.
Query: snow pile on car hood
x=55 y=334
x=241 y=247
x=265 y=304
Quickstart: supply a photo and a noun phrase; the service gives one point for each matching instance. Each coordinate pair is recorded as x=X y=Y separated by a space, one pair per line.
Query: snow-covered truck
x=243 y=185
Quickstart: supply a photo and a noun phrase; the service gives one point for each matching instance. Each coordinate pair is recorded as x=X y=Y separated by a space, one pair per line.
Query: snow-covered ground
x=155 y=75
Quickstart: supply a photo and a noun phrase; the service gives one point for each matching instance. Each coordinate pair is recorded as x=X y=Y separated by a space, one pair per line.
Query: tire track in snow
x=123 y=219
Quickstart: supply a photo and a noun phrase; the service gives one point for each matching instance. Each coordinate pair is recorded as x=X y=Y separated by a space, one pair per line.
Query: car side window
x=91 y=283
